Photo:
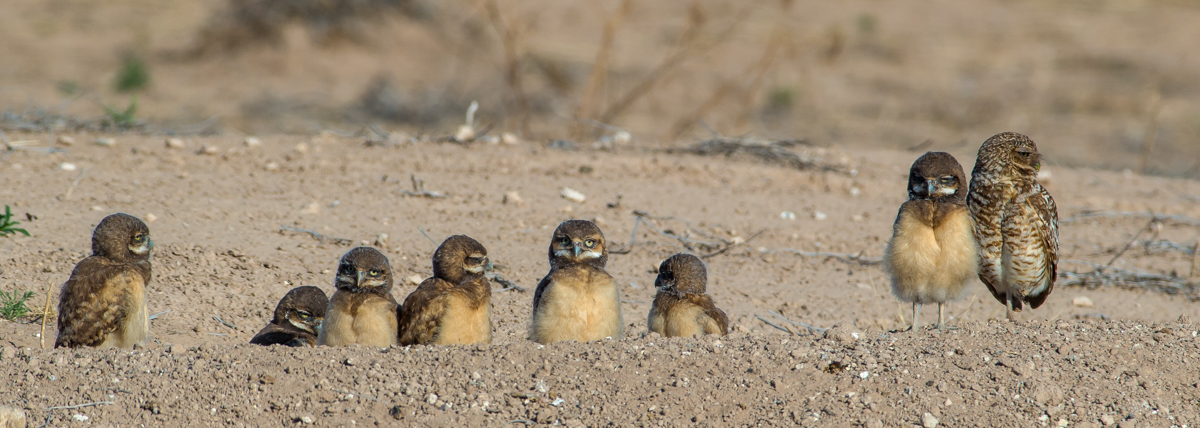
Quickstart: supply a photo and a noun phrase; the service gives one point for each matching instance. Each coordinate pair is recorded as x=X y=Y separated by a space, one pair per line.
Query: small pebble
x=175 y=143
x=209 y=150
x=64 y=140
x=928 y=421
x=572 y=195
x=622 y=138
x=80 y=418
x=787 y=215
x=465 y=133
x=306 y=419
x=509 y=138
x=252 y=142
x=415 y=279
x=819 y=215
x=66 y=166
x=106 y=142
x=513 y=198
x=1082 y=301
x=150 y=218
x=431 y=398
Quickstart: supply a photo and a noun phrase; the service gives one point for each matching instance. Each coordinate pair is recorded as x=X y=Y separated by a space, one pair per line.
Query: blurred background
x=1112 y=84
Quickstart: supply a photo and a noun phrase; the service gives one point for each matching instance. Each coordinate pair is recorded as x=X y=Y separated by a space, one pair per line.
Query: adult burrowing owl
x=577 y=300
x=680 y=307
x=362 y=309
x=1016 y=222
x=297 y=319
x=932 y=253
x=103 y=304
x=453 y=306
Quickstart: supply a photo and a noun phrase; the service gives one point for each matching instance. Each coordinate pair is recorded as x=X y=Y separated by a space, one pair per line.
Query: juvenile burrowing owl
x=1016 y=222
x=680 y=307
x=577 y=300
x=932 y=253
x=454 y=306
x=362 y=310
x=103 y=304
x=297 y=319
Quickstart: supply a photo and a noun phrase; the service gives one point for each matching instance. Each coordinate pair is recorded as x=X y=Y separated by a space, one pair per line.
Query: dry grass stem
x=316 y=235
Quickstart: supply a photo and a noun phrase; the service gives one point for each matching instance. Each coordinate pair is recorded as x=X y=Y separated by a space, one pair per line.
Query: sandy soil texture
x=216 y=208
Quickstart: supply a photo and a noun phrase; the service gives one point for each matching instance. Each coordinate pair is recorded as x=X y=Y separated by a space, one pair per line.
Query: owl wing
x=90 y=306
x=717 y=322
x=541 y=288
x=274 y=334
x=422 y=312
x=1047 y=231
x=988 y=212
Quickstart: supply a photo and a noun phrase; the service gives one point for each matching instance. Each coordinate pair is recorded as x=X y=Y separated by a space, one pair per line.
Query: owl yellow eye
x=304 y=315
x=139 y=238
x=947 y=180
x=590 y=242
x=374 y=272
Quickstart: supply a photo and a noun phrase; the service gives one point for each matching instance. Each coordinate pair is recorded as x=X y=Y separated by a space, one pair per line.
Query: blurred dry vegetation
x=1110 y=84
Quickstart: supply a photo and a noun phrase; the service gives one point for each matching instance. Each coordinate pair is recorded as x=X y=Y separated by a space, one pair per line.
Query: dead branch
x=97 y=403
x=156 y=315
x=1149 y=226
x=46 y=315
x=587 y=104
x=776 y=152
x=508 y=285
x=845 y=258
x=74 y=183
x=227 y=324
x=317 y=236
x=811 y=329
x=1103 y=275
x=419 y=189
x=760 y=318
x=1116 y=214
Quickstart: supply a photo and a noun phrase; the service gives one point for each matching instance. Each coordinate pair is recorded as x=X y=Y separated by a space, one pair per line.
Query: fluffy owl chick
x=1016 y=222
x=680 y=307
x=577 y=300
x=297 y=319
x=362 y=310
x=454 y=306
x=932 y=254
x=103 y=304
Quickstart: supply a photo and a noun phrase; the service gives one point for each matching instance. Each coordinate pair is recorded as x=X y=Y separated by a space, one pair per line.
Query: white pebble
x=175 y=143
x=66 y=166
x=1082 y=301
x=415 y=279
x=819 y=215
x=787 y=215
x=928 y=421
x=210 y=150
x=465 y=133
x=151 y=218
x=80 y=418
x=106 y=142
x=431 y=398
x=65 y=140
x=252 y=142
x=864 y=375
x=855 y=192
x=622 y=138
x=510 y=138
x=557 y=402
x=512 y=198
x=572 y=195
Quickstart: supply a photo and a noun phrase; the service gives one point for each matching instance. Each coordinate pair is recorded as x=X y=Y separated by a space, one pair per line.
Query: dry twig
x=508 y=285
x=760 y=318
x=810 y=328
x=227 y=324
x=46 y=315
x=75 y=183
x=845 y=258
x=1125 y=214
x=419 y=189
x=1104 y=275
x=777 y=152
x=317 y=236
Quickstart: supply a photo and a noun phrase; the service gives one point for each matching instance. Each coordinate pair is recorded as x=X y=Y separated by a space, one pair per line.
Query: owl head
x=302 y=307
x=122 y=238
x=1010 y=154
x=682 y=273
x=578 y=241
x=460 y=258
x=937 y=176
x=364 y=269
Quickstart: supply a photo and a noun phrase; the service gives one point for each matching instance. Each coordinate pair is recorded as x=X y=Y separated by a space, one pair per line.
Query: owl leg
x=1008 y=308
x=916 y=320
x=942 y=318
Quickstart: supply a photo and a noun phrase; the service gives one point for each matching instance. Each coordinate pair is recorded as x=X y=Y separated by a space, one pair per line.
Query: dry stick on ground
x=317 y=236
x=760 y=318
x=587 y=104
x=512 y=70
x=720 y=247
x=776 y=152
x=1103 y=275
x=508 y=285
x=74 y=183
x=156 y=315
x=1125 y=214
x=227 y=324
x=1129 y=245
x=810 y=328
x=419 y=189
x=845 y=258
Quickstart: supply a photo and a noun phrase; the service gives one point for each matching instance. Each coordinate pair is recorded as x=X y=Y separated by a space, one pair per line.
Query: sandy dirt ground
x=215 y=207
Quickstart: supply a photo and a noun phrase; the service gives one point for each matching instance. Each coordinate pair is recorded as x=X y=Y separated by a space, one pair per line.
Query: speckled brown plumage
x=453 y=306
x=1016 y=222
x=681 y=307
x=577 y=300
x=297 y=319
x=932 y=254
x=103 y=304
x=362 y=310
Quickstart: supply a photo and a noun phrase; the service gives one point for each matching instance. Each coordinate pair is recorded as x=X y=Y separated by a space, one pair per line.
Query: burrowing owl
x=932 y=253
x=453 y=306
x=362 y=309
x=1016 y=222
x=680 y=307
x=103 y=304
x=577 y=300
x=297 y=319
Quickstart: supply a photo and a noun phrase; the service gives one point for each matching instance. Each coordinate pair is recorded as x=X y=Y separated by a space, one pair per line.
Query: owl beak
x=150 y=244
x=578 y=249
x=360 y=278
x=489 y=267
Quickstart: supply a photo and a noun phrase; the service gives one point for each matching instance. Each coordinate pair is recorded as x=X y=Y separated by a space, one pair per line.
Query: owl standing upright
x=1016 y=222
x=932 y=253
x=577 y=300
x=362 y=310
x=103 y=304
x=680 y=308
x=453 y=306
